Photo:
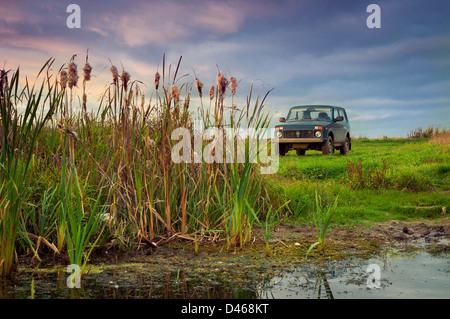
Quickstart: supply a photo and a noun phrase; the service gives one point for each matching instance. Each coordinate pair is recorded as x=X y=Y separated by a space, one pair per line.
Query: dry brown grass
x=430 y=132
x=442 y=138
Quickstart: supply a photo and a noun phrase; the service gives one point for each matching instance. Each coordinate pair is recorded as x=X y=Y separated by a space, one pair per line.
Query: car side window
x=341 y=112
x=344 y=114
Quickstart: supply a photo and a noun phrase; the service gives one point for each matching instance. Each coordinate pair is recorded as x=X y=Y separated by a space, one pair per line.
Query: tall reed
x=19 y=132
x=322 y=217
x=80 y=225
x=113 y=168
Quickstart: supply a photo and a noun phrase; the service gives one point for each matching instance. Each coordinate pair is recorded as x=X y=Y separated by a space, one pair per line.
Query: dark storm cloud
x=309 y=51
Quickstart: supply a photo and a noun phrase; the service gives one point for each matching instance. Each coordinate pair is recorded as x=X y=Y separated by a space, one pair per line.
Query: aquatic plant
x=80 y=226
x=116 y=162
x=322 y=217
x=19 y=132
x=268 y=223
x=321 y=280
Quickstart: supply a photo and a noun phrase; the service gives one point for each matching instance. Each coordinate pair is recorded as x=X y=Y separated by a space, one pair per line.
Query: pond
x=405 y=275
x=180 y=274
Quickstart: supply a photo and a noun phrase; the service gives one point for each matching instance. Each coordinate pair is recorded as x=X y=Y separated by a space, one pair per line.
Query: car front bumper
x=300 y=140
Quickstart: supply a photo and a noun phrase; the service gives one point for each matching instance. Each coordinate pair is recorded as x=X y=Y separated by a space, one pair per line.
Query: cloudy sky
x=391 y=79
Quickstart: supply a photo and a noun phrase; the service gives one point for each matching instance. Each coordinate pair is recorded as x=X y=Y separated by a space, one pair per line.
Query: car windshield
x=308 y=114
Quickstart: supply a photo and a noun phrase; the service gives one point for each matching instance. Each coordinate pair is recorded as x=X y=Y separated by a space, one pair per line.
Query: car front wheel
x=282 y=150
x=328 y=146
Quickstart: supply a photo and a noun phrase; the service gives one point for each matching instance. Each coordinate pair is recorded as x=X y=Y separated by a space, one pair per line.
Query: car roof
x=315 y=106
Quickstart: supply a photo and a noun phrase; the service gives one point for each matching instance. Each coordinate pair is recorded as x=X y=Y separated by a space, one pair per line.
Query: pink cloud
x=166 y=22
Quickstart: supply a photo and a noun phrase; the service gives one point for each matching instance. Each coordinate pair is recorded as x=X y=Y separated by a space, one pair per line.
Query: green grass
x=404 y=179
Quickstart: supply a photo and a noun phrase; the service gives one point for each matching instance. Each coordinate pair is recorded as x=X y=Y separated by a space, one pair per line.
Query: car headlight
x=280 y=134
x=318 y=133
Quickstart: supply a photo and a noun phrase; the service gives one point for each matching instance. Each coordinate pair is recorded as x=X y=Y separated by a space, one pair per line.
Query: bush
x=430 y=132
x=412 y=180
x=375 y=176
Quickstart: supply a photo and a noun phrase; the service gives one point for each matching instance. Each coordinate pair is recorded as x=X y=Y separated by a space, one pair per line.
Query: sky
x=391 y=79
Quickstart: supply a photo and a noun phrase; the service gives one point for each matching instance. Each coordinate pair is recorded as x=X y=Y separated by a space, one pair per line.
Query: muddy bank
x=390 y=232
x=363 y=240
x=288 y=243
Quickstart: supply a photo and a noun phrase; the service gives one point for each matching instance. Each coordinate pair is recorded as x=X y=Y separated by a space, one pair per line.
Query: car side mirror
x=339 y=118
x=282 y=119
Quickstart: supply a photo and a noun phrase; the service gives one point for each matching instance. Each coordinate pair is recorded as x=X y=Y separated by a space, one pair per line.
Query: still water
x=417 y=274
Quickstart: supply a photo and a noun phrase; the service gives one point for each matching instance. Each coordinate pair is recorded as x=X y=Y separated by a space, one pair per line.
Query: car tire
x=301 y=152
x=281 y=150
x=345 y=147
x=328 y=146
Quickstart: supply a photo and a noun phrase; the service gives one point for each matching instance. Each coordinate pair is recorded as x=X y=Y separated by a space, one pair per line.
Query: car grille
x=298 y=134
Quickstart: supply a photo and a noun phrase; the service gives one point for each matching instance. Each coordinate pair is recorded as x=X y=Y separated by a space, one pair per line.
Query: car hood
x=302 y=125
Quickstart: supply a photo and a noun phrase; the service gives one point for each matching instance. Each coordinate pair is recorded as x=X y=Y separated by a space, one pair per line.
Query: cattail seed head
x=175 y=93
x=233 y=85
x=199 y=86
x=187 y=101
x=211 y=92
x=157 y=77
x=87 y=71
x=125 y=77
x=115 y=74
x=63 y=79
x=3 y=83
x=73 y=75
x=222 y=83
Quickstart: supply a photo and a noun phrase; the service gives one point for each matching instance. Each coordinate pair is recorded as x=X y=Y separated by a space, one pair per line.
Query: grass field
x=381 y=179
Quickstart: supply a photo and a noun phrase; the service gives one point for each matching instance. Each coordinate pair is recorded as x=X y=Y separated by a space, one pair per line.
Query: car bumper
x=300 y=140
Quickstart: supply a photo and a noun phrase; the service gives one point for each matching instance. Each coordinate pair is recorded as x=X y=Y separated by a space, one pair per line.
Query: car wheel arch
x=330 y=133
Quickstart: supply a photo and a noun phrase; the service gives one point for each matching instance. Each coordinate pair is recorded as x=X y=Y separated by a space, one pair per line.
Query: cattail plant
x=115 y=74
x=125 y=78
x=63 y=78
x=20 y=133
x=87 y=69
x=199 y=86
x=222 y=84
x=322 y=217
x=233 y=85
x=87 y=72
x=211 y=92
x=157 y=78
x=3 y=83
x=73 y=75
x=175 y=93
x=124 y=169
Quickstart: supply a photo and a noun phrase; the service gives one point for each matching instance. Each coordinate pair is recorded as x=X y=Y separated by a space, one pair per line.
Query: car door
x=345 y=122
x=338 y=127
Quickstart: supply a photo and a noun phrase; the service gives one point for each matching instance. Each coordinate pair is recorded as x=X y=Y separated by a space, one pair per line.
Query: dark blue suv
x=314 y=127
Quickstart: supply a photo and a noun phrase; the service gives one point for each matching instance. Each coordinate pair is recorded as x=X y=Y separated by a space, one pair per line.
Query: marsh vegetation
x=75 y=180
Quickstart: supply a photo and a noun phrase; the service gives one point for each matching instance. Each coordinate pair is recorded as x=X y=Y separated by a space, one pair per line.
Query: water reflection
x=227 y=280
x=131 y=283
x=321 y=281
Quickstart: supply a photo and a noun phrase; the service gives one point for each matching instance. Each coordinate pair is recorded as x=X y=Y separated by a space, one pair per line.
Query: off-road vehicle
x=314 y=127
